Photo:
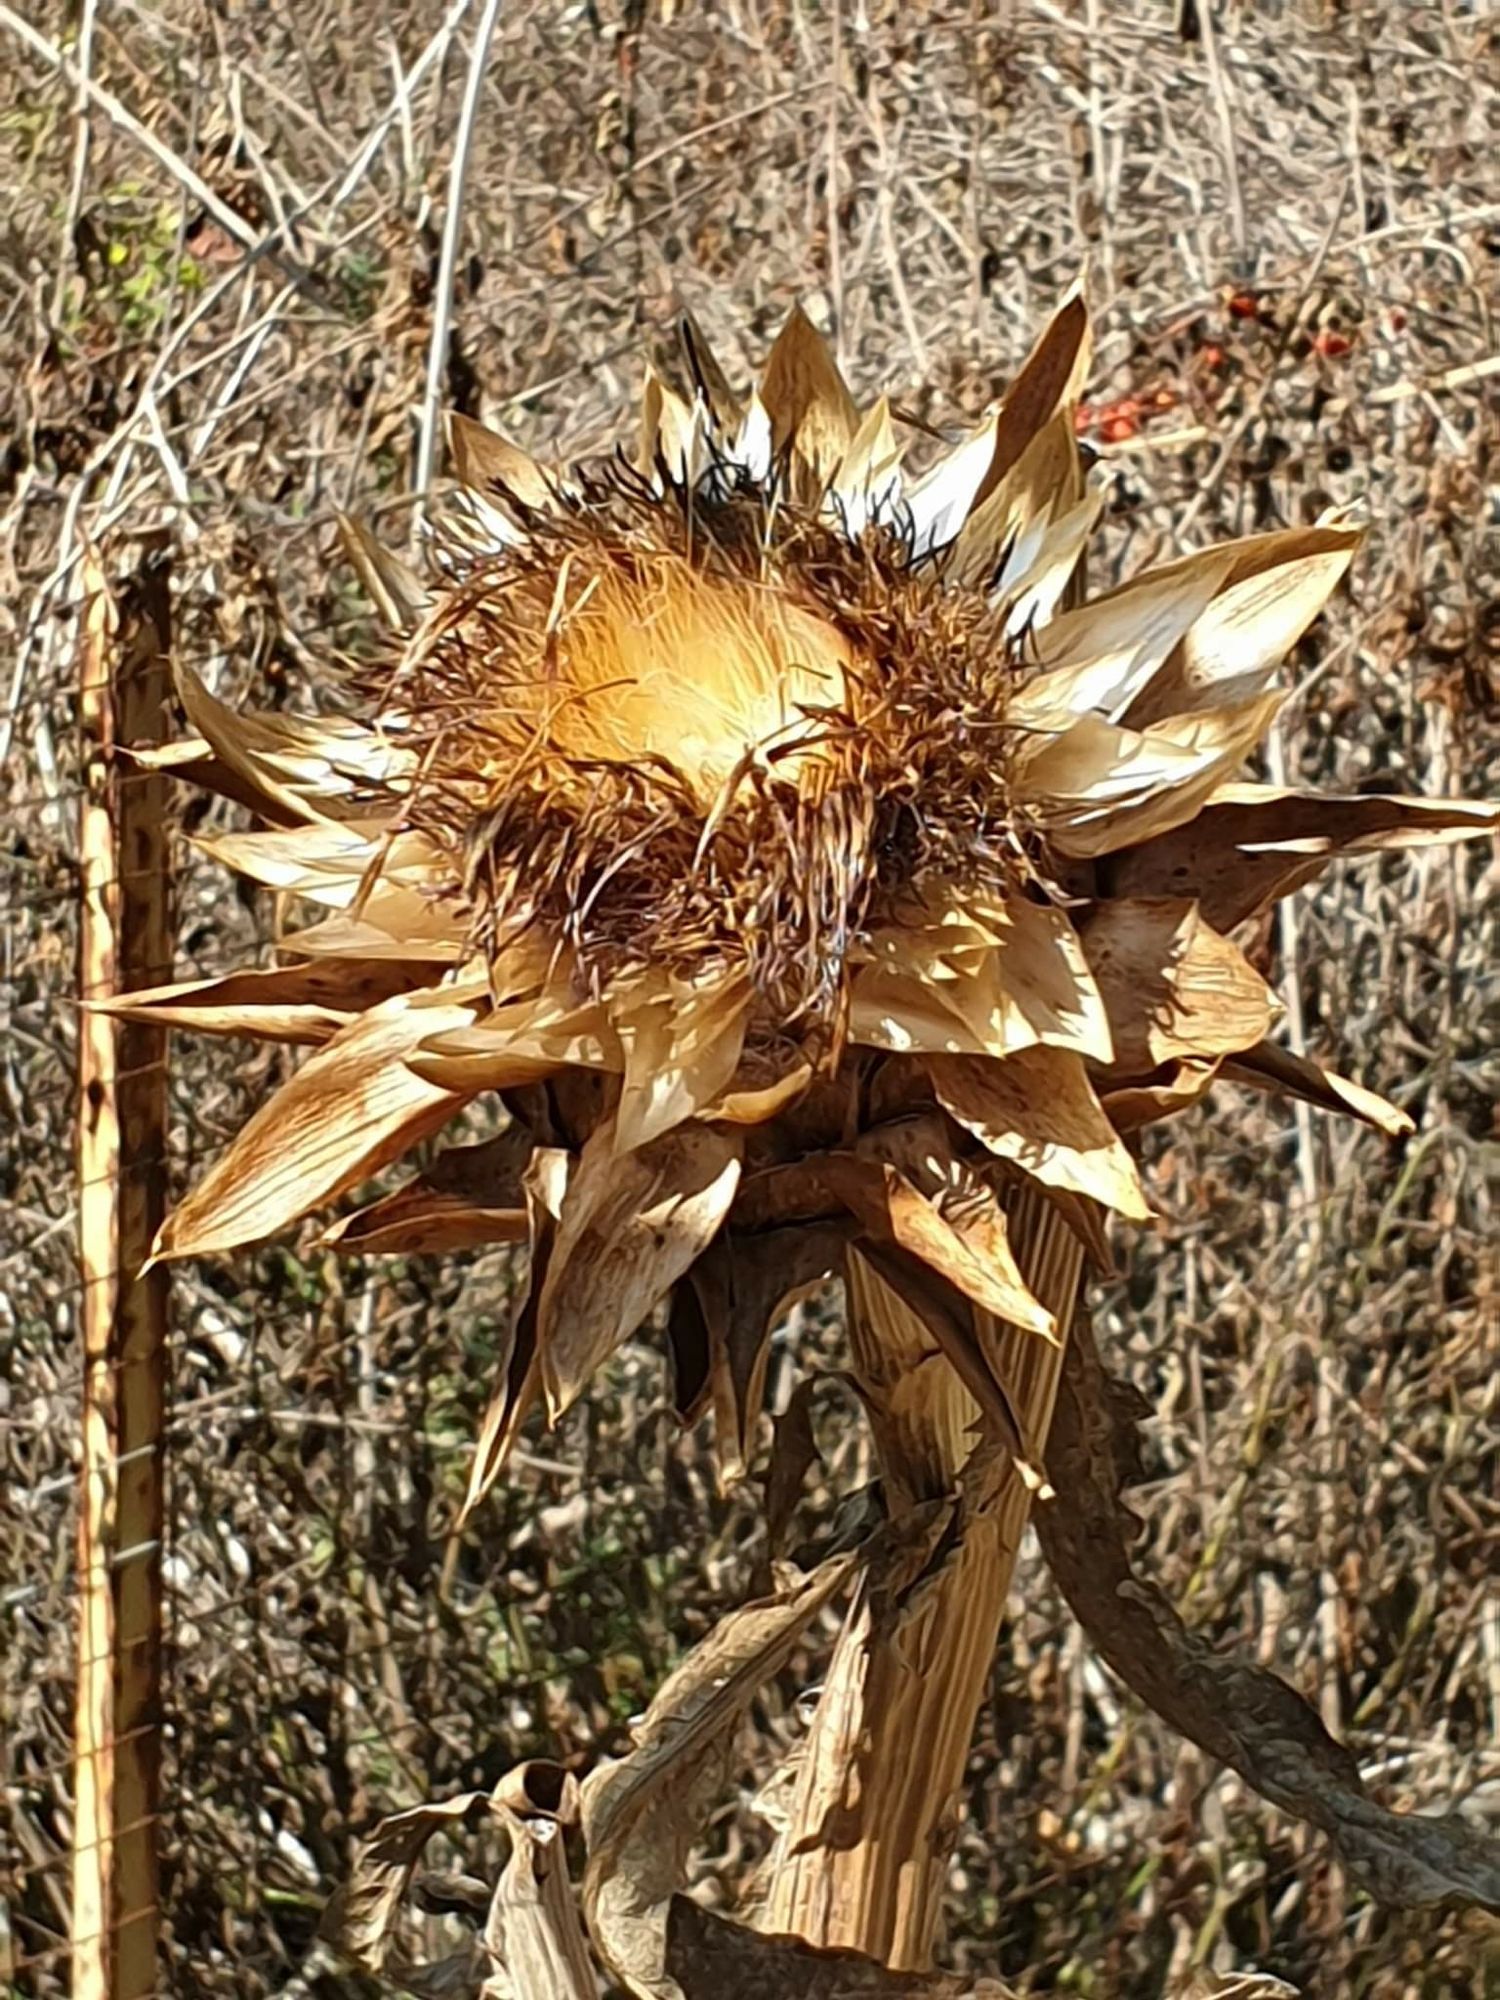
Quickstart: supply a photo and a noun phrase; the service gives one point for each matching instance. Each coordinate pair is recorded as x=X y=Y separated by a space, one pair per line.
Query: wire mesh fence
x=1292 y=225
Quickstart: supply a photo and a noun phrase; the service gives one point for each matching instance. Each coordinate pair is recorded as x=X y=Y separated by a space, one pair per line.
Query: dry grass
x=218 y=323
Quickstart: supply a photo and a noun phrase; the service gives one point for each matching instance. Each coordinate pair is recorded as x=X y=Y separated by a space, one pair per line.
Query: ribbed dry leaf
x=298 y=768
x=470 y=1196
x=422 y=1221
x=1004 y=535
x=392 y=923
x=523 y=1041
x=337 y=865
x=888 y=1278
x=982 y=980
x=1172 y=985
x=1050 y=379
x=1102 y=655
x=1038 y=1110
x=1275 y=587
x=533 y=1934
x=631 y=1225
x=868 y=476
x=351 y=1109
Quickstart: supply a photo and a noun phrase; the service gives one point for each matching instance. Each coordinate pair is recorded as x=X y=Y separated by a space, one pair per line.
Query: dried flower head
x=795 y=851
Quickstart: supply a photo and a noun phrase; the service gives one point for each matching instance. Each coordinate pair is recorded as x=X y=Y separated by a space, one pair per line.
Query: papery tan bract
x=795 y=853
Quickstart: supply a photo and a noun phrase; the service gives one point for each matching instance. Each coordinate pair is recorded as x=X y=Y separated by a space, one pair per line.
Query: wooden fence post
x=124 y=941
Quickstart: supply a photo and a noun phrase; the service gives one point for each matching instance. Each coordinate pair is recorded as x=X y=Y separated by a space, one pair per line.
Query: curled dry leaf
x=1236 y=1711
x=631 y=1225
x=642 y=1814
x=362 y=1915
x=544 y=1186
x=532 y=1934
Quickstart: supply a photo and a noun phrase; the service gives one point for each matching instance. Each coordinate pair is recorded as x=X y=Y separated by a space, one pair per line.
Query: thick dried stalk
x=861 y=1860
x=124 y=942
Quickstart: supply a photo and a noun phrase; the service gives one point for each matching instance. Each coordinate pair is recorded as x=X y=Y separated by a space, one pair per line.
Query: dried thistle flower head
x=796 y=852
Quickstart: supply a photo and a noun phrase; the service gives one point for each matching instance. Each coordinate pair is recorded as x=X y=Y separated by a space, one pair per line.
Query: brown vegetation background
x=216 y=326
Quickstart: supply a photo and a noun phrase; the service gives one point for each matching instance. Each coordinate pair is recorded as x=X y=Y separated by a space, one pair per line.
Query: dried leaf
x=524 y=1041
x=393 y=587
x=1238 y=1712
x=807 y=400
x=1252 y=844
x=361 y=1915
x=1038 y=1109
x=681 y=1048
x=283 y=1003
x=981 y=979
x=1276 y=585
x=1177 y=1087
x=1050 y=380
x=1100 y=656
x=336 y=864
x=743 y=1287
x=868 y=479
x=1099 y=786
x=487 y=461
x=969 y=1251
x=295 y=766
x=642 y=1813
x=708 y=1954
x=352 y=1108
x=1174 y=987
x=631 y=1225
x=1269 y=1066
x=517 y=1371
x=1006 y=532
x=420 y=1221
x=533 y=1934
